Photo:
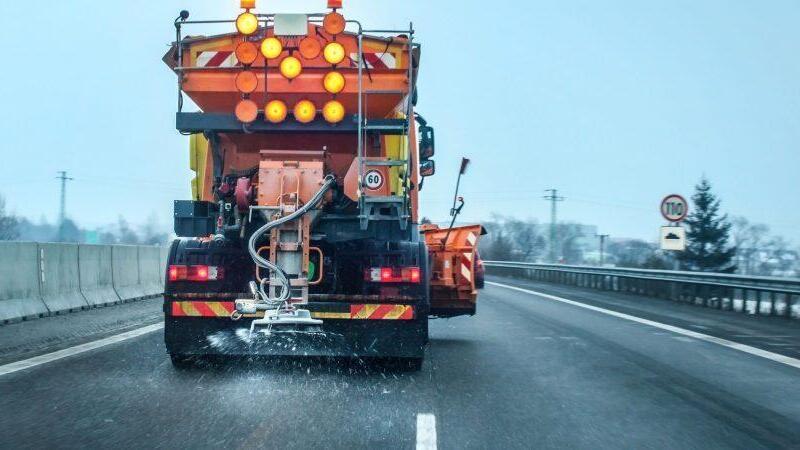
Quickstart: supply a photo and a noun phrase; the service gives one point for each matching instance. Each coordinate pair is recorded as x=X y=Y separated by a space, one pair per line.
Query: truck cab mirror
x=426 y=142
x=427 y=168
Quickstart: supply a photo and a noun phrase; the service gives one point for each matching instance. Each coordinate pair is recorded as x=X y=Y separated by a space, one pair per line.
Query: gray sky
x=614 y=103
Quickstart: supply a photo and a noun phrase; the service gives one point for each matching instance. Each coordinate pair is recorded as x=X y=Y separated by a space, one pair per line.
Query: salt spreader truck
x=302 y=237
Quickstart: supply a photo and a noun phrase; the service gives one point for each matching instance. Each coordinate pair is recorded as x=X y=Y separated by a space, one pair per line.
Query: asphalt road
x=526 y=372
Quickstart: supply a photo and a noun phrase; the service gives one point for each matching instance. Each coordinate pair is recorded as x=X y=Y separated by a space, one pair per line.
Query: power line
x=554 y=198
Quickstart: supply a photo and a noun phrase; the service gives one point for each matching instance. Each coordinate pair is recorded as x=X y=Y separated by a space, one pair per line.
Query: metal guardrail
x=747 y=294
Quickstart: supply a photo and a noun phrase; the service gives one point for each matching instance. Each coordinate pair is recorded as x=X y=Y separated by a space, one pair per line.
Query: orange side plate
x=453 y=256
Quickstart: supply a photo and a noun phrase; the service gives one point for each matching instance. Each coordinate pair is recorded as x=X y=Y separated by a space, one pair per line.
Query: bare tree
x=152 y=232
x=9 y=224
x=748 y=238
x=528 y=242
x=569 y=235
x=125 y=234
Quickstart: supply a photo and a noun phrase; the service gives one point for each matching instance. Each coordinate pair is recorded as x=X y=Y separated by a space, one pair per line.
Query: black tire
x=181 y=362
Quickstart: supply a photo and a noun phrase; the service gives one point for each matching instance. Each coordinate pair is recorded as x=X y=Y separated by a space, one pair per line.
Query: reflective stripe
x=202 y=309
x=330 y=315
x=383 y=311
x=216 y=59
x=383 y=60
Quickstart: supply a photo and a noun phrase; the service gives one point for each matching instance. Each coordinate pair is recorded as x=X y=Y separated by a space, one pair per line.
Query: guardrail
x=747 y=294
x=41 y=279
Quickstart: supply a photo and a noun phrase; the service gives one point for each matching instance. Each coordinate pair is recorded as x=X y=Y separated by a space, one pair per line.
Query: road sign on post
x=674 y=208
x=673 y=238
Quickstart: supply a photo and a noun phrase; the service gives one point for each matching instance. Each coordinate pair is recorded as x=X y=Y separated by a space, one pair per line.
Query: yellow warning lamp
x=248 y=4
x=333 y=111
x=247 y=23
x=334 y=53
x=271 y=48
x=333 y=82
x=333 y=23
x=246 y=82
x=305 y=111
x=291 y=67
x=275 y=111
x=246 y=111
x=310 y=47
x=246 y=53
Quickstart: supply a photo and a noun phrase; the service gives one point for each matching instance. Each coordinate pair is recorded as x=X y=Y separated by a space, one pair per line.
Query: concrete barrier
x=150 y=270
x=125 y=266
x=20 y=296
x=164 y=257
x=96 y=274
x=60 y=277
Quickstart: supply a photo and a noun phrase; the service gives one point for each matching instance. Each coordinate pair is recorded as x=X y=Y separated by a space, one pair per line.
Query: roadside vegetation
x=716 y=243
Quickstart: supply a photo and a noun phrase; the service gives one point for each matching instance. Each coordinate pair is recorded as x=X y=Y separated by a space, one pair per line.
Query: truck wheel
x=181 y=362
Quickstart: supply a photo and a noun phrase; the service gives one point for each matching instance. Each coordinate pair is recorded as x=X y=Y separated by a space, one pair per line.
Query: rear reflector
x=392 y=275
x=195 y=273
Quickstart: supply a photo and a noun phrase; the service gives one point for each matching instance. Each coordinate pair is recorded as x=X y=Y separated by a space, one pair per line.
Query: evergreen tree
x=707 y=235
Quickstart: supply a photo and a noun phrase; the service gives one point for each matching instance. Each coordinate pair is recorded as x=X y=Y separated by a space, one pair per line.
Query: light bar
x=392 y=275
x=195 y=273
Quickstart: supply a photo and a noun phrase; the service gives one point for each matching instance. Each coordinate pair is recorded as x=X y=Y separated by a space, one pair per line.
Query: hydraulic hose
x=264 y=263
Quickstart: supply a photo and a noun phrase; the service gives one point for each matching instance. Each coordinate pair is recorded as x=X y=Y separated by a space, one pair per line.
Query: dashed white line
x=426 y=431
x=71 y=351
x=789 y=361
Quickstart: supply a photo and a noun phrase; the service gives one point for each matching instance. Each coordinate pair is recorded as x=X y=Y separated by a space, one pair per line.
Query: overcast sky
x=615 y=103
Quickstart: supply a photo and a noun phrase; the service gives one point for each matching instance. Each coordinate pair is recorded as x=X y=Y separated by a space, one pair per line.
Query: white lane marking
x=71 y=351
x=789 y=361
x=426 y=431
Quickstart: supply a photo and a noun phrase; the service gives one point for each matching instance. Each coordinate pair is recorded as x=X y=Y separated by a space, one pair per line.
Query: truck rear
x=302 y=236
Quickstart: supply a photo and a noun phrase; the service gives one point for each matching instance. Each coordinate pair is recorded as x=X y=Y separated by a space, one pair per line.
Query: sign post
x=674 y=209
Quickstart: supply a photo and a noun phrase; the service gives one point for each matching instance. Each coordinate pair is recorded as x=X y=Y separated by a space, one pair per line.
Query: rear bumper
x=404 y=336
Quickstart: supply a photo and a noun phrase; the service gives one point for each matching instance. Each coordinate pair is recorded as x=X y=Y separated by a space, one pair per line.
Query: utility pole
x=603 y=238
x=554 y=198
x=62 y=214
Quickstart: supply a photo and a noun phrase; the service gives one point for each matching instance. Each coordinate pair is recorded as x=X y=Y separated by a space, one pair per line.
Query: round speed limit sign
x=674 y=208
x=373 y=179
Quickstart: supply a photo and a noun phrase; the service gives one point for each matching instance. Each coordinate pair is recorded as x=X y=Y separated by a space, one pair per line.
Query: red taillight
x=195 y=273
x=393 y=275
x=413 y=274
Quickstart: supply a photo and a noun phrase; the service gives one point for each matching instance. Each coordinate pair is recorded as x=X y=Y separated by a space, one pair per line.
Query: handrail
x=789 y=286
x=655 y=274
